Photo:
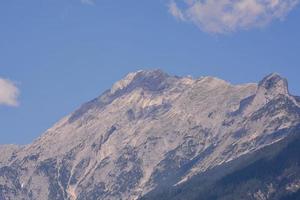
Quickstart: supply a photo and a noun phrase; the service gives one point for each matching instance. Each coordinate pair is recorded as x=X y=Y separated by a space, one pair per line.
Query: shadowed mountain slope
x=272 y=172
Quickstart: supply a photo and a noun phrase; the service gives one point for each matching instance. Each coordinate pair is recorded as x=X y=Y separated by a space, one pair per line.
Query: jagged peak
x=151 y=74
x=157 y=79
x=119 y=85
x=274 y=84
x=268 y=89
x=214 y=80
x=150 y=79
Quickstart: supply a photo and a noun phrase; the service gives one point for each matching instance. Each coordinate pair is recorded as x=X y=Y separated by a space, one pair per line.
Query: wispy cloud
x=223 y=16
x=88 y=2
x=176 y=11
x=8 y=93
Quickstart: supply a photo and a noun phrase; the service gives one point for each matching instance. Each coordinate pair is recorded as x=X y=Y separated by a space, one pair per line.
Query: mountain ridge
x=148 y=130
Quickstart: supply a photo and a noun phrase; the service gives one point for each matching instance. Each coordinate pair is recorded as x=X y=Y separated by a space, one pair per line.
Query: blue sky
x=58 y=54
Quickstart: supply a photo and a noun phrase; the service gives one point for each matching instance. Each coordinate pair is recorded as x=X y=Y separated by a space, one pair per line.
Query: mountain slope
x=149 y=130
x=272 y=172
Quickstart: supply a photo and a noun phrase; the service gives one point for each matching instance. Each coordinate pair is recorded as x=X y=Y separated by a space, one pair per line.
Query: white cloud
x=175 y=11
x=89 y=2
x=8 y=93
x=223 y=16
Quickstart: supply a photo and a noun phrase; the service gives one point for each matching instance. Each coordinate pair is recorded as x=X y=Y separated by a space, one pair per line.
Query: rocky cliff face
x=149 y=130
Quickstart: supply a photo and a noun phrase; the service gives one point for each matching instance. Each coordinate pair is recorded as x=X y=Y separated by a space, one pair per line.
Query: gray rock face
x=150 y=129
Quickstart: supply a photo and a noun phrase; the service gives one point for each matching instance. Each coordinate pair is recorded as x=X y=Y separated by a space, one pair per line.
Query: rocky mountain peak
x=152 y=80
x=274 y=84
x=269 y=88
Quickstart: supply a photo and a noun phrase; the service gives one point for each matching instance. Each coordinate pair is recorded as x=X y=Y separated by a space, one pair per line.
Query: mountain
x=151 y=133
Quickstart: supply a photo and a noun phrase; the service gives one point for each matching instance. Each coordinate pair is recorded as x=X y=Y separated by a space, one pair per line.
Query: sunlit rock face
x=150 y=129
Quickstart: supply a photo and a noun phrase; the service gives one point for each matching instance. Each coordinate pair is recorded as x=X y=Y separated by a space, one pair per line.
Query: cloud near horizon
x=225 y=16
x=9 y=93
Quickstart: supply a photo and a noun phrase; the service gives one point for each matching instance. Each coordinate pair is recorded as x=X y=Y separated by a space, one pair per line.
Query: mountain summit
x=153 y=80
x=150 y=130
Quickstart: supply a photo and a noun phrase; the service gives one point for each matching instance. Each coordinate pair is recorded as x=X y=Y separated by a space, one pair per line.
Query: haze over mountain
x=152 y=131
